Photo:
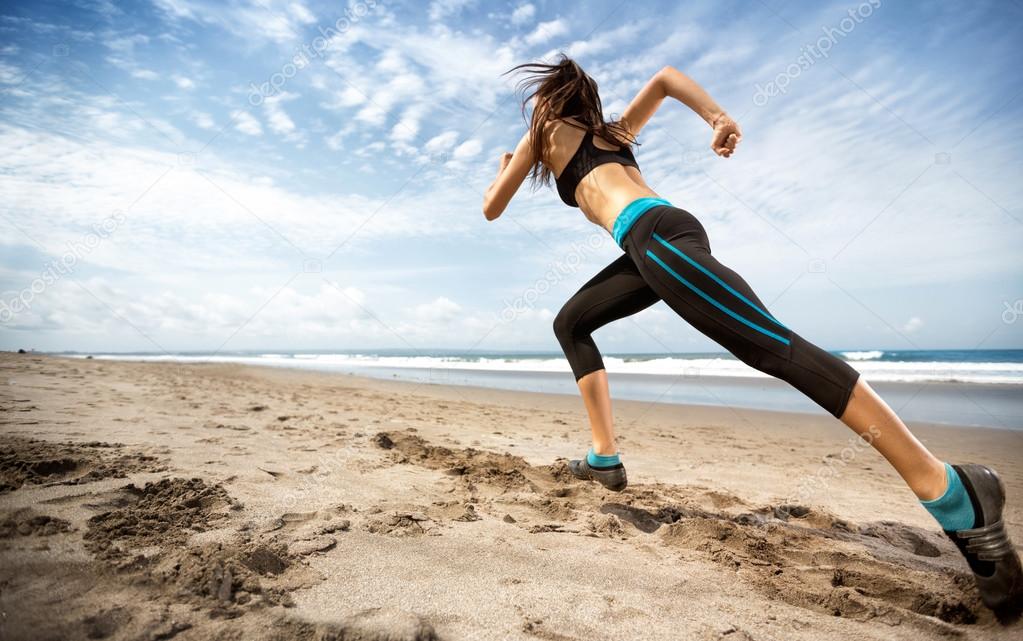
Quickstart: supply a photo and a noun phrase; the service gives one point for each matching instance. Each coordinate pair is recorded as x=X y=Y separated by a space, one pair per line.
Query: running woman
x=667 y=257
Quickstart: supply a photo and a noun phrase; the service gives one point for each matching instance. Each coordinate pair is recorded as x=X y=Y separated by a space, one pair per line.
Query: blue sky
x=264 y=174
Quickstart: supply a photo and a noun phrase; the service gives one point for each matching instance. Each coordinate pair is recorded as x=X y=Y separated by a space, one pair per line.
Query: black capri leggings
x=667 y=257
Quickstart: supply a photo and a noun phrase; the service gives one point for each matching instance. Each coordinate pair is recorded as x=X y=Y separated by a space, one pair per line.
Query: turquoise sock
x=953 y=509
x=601 y=460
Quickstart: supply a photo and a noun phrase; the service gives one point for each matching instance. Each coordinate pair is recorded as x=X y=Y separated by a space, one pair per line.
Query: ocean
x=961 y=387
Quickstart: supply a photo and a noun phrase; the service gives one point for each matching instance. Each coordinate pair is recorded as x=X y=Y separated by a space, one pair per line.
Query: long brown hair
x=562 y=90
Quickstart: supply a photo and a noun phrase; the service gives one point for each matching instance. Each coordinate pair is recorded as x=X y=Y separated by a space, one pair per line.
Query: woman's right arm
x=669 y=81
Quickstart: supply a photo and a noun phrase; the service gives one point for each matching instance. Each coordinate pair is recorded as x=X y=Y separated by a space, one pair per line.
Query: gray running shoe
x=987 y=548
x=613 y=478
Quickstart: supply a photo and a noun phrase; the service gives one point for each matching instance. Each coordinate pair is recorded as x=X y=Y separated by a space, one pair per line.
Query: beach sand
x=195 y=501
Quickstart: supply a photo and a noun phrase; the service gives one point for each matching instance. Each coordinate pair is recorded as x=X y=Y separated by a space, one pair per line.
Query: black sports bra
x=585 y=159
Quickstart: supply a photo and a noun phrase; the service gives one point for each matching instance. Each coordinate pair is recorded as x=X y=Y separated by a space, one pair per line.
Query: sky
x=301 y=175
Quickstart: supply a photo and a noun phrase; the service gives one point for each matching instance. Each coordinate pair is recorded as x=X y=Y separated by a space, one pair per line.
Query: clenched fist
x=726 y=136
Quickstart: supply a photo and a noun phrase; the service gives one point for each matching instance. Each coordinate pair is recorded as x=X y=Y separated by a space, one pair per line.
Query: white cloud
x=246 y=123
x=126 y=44
x=101 y=307
x=274 y=20
x=468 y=149
x=372 y=115
x=177 y=211
x=441 y=143
x=913 y=324
x=301 y=13
x=409 y=102
x=546 y=31
x=183 y=82
x=122 y=53
x=392 y=62
x=440 y=9
x=336 y=140
x=203 y=120
x=176 y=8
x=523 y=14
x=608 y=40
x=441 y=309
x=407 y=128
x=280 y=123
x=441 y=70
x=346 y=97
x=9 y=74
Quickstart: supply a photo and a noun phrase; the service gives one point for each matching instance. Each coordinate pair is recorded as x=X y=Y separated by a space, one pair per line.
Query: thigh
x=712 y=298
x=617 y=291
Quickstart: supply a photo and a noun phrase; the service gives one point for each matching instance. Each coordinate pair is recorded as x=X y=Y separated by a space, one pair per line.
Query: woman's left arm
x=513 y=171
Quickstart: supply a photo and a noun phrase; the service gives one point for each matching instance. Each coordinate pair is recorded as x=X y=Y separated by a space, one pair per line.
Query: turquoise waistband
x=631 y=214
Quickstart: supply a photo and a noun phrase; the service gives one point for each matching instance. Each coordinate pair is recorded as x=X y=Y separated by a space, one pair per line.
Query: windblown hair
x=562 y=90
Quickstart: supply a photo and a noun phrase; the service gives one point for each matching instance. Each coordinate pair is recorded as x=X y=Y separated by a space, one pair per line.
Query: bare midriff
x=606 y=190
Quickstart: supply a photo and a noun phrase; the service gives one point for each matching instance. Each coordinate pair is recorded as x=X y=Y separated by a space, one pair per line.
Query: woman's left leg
x=616 y=292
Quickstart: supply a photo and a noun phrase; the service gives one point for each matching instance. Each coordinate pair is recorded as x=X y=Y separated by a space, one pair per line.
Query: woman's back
x=604 y=190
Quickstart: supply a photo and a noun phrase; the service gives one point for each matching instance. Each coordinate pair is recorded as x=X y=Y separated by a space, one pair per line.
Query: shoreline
x=393 y=507
x=957 y=404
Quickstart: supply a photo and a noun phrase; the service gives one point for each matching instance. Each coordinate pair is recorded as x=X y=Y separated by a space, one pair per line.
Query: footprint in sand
x=27 y=522
x=803 y=557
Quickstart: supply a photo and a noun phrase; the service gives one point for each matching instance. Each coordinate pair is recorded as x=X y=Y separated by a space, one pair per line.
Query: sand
x=200 y=501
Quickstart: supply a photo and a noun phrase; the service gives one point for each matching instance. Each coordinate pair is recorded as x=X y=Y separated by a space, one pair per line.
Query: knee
x=773 y=365
x=821 y=376
x=572 y=323
x=565 y=323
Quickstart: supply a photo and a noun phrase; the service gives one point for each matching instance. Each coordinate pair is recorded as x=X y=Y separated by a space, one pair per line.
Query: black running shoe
x=987 y=547
x=613 y=478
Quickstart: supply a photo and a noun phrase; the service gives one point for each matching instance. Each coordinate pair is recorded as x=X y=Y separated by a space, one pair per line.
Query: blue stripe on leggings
x=713 y=302
x=717 y=280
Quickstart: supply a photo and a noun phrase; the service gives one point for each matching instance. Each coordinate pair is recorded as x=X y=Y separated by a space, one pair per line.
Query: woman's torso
x=605 y=190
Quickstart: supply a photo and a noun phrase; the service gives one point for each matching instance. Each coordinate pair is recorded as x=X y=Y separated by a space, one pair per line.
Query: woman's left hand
x=505 y=159
x=727 y=136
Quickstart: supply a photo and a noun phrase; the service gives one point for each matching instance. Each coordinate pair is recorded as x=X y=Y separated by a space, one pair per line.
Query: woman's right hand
x=726 y=136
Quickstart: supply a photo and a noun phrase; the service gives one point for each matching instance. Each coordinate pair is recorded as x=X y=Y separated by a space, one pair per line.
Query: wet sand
x=190 y=501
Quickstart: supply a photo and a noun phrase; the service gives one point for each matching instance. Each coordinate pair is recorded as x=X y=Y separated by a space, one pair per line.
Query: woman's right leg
x=869 y=416
x=673 y=253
